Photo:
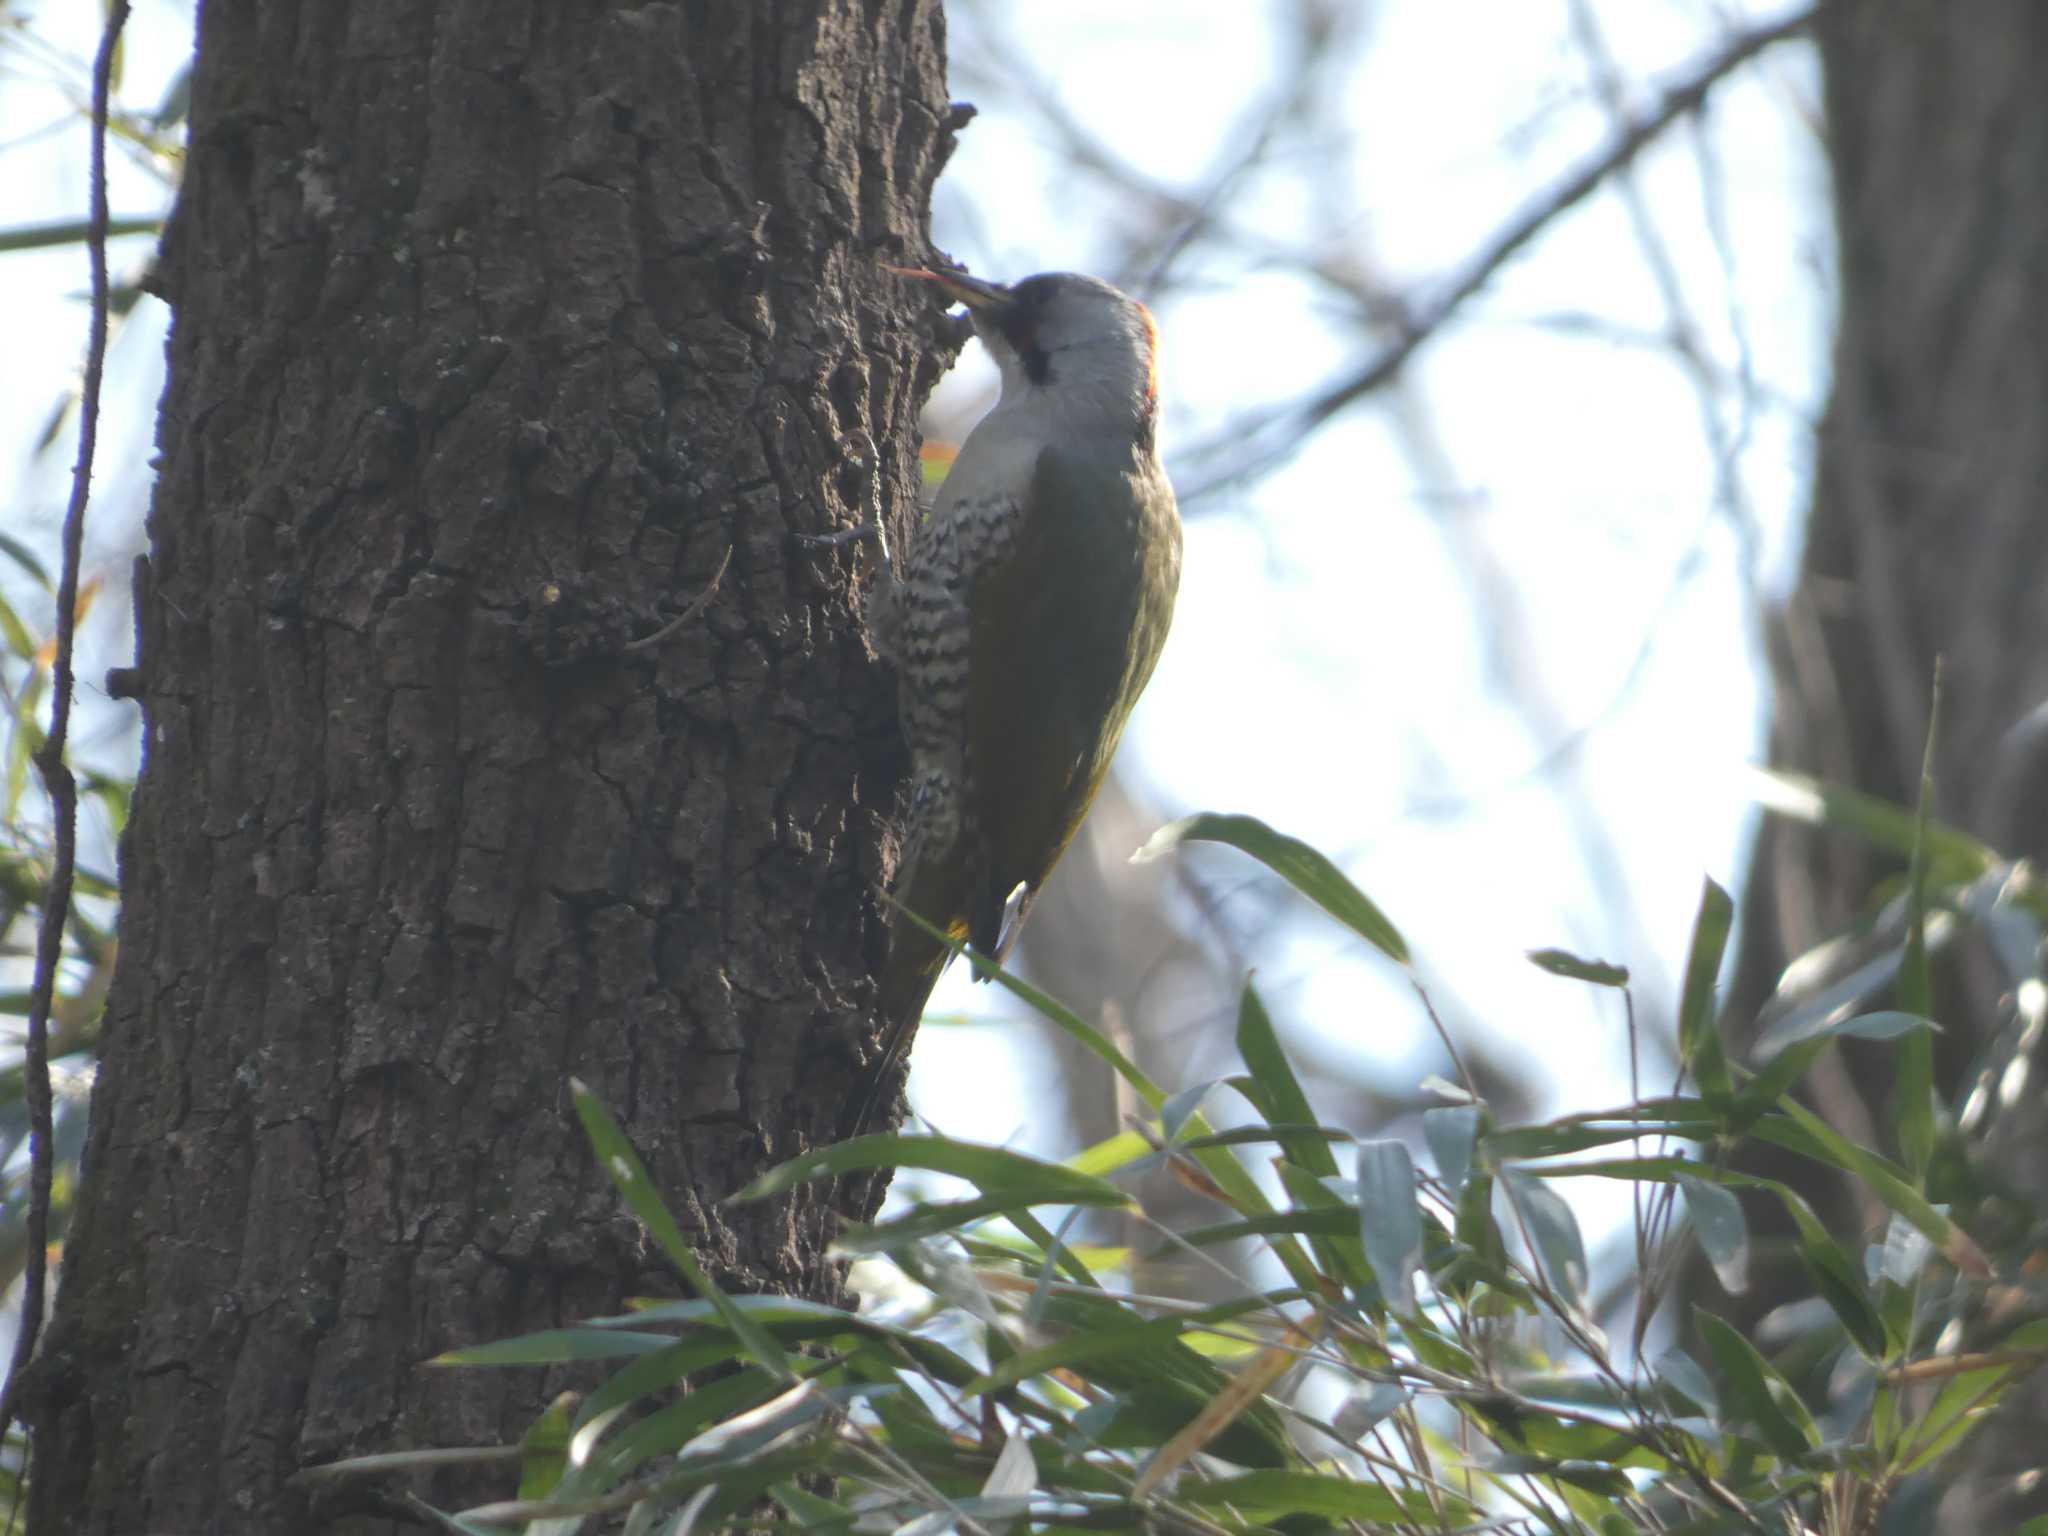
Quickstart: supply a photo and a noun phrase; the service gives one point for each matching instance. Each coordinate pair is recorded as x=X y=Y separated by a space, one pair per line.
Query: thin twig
x=1465 y=1077
x=56 y=773
x=697 y=603
x=1290 y=425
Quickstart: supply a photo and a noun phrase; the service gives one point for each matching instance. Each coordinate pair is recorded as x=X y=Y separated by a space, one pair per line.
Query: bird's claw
x=842 y=537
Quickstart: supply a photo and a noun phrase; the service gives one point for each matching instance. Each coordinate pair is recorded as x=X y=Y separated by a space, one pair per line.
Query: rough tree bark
x=1926 y=537
x=496 y=325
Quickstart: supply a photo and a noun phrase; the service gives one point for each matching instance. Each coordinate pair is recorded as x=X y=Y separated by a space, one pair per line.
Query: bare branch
x=56 y=773
x=1284 y=428
x=697 y=605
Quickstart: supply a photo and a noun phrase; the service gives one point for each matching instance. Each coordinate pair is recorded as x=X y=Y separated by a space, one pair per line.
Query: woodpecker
x=1026 y=620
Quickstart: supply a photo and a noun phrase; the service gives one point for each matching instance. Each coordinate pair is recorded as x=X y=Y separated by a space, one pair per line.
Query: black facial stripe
x=1031 y=294
x=1019 y=323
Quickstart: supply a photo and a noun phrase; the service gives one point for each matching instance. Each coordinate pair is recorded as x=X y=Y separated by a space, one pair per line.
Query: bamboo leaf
x=1876 y=821
x=1453 y=1135
x=1761 y=1395
x=1554 y=1233
x=1278 y=1493
x=1389 y=1221
x=1285 y=1102
x=1916 y=1105
x=39 y=237
x=616 y=1155
x=555 y=1346
x=1560 y=963
x=1699 y=1034
x=1718 y=1223
x=994 y=1170
x=1295 y=862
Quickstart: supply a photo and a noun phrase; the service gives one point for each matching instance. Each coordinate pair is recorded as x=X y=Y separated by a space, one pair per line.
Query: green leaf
x=1798 y=1128
x=1183 y=1106
x=921 y=1220
x=544 y=1448
x=1370 y=1405
x=740 y=1478
x=176 y=102
x=1761 y=1395
x=616 y=1155
x=1115 y=1335
x=2012 y=928
x=1687 y=1119
x=1876 y=821
x=1308 y=1493
x=1965 y=1401
x=1560 y=963
x=1389 y=1221
x=1554 y=1233
x=1839 y=1282
x=1916 y=1106
x=1718 y=1223
x=1339 y=1255
x=451 y=1523
x=742 y=1411
x=1258 y=1135
x=656 y=1373
x=1718 y=1220
x=1069 y=1023
x=39 y=237
x=1333 y=1221
x=1906 y=1252
x=1453 y=1135
x=787 y=1315
x=1062 y=1017
x=1592 y=1475
x=27 y=740
x=1666 y=1168
x=1793 y=1056
x=1682 y=1374
x=994 y=1170
x=811 y=1512
x=1295 y=862
x=1285 y=1103
x=1699 y=1034
x=1479 y=1234
x=1802 y=1005
x=15 y=634
x=25 y=557
x=554 y=1346
x=1113 y=1154
x=1236 y=1184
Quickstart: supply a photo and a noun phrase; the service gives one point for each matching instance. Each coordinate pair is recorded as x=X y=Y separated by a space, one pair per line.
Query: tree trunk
x=1927 y=536
x=496 y=326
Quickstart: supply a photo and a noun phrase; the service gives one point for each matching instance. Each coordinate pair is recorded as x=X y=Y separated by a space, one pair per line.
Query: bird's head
x=1059 y=334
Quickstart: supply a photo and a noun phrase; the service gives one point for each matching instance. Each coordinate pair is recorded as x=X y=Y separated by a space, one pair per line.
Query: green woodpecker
x=1030 y=609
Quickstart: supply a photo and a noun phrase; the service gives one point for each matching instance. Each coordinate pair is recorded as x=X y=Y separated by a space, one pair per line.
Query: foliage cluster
x=1429 y=1355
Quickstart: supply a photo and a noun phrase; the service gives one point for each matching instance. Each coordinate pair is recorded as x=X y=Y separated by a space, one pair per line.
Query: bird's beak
x=958 y=287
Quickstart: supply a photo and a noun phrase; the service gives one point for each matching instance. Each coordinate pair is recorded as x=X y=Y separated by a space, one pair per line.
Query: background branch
x=1283 y=429
x=49 y=758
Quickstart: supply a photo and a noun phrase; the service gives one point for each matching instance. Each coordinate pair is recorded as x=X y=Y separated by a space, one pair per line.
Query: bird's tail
x=936 y=891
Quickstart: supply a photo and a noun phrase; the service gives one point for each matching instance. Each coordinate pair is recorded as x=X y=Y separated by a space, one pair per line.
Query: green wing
x=1066 y=631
